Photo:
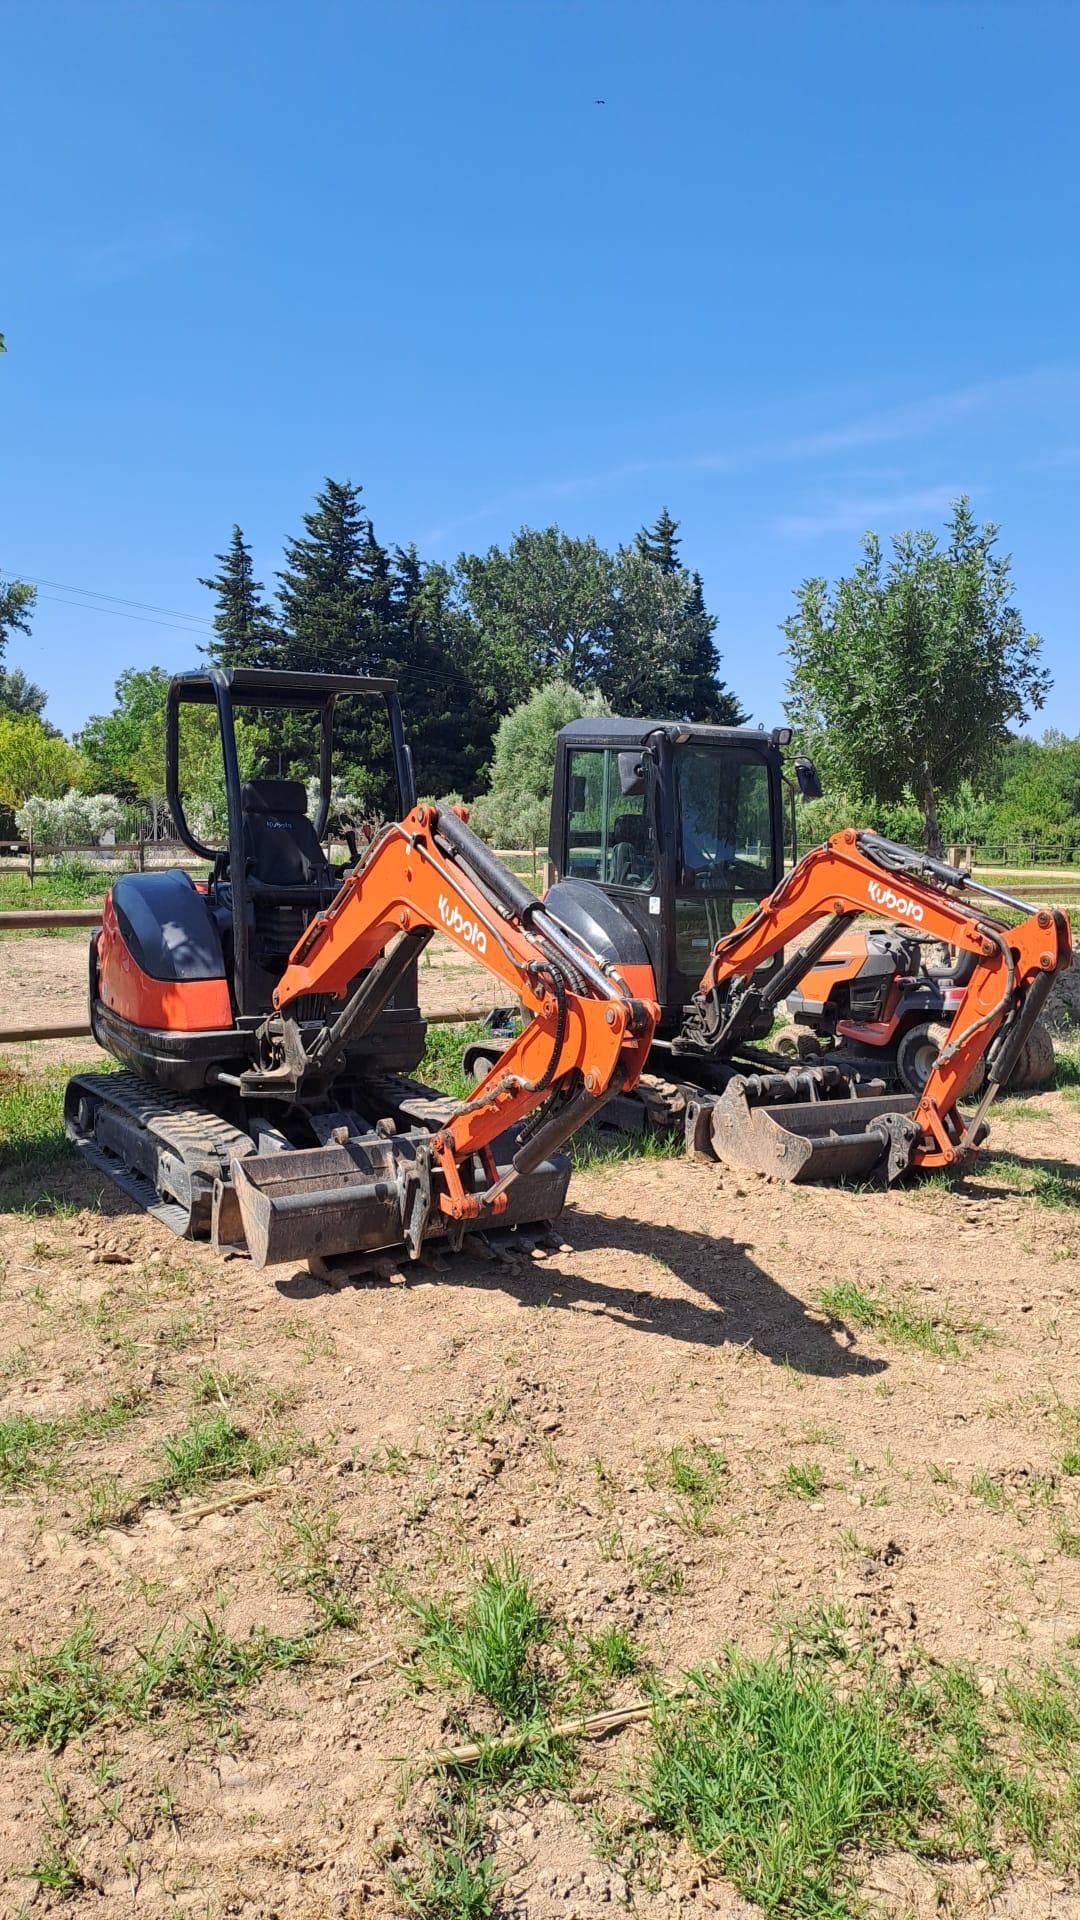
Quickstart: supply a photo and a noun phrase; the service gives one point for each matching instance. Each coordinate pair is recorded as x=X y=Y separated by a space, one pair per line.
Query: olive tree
x=906 y=675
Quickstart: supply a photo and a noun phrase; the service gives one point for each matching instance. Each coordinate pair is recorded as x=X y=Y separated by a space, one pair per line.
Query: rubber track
x=201 y=1139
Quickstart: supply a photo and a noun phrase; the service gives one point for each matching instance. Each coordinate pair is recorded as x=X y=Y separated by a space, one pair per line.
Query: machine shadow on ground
x=737 y=1303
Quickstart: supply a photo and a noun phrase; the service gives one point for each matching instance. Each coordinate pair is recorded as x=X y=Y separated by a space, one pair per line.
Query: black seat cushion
x=280 y=845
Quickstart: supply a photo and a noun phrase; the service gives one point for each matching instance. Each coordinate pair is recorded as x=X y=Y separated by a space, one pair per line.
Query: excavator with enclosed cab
x=267 y=1026
x=682 y=827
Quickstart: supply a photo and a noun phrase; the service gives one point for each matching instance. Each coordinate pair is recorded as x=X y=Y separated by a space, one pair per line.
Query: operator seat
x=281 y=849
x=631 y=865
x=288 y=876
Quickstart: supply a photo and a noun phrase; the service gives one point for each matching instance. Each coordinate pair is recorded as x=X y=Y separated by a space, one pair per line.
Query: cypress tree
x=706 y=697
x=660 y=543
x=244 y=625
x=446 y=718
x=322 y=591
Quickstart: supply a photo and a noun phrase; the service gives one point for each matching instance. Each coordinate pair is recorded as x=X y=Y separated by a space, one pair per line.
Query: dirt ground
x=490 y=1408
x=43 y=982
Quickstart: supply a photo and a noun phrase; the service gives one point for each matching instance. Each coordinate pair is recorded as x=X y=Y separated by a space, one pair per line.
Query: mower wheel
x=919 y=1048
x=1035 y=1067
x=796 y=1042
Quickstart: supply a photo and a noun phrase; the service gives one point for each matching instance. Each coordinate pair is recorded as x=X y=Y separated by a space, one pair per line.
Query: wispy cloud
x=136 y=250
x=856 y=513
x=920 y=419
x=914 y=420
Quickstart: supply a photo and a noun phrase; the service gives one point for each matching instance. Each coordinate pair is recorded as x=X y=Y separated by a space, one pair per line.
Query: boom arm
x=592 y=1023
x=858 y=872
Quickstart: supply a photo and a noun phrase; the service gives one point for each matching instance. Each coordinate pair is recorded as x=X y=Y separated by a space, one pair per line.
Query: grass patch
x=441 y=1065
x=899 y=1321
x=697 y=1473
x=29 y=1448
x=311 y=1566
x=73 y=884
x=1046 y=1186
x=990 y=1491
x=780 y=1772
x=57 y=1871
x=597 y=1146
x=46 y=1699
x=804 y=1478
x=454 y=1878
x=216 y=1449
x=592 y=1146
x=492 y=1643
x=772 y=1776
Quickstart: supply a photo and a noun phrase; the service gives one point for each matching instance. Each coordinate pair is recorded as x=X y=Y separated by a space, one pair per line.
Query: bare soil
x=490 y=1408
x=43 y=982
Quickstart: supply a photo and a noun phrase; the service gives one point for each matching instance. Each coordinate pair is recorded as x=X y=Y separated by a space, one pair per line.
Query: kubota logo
x=467 y=930
x=894 y=902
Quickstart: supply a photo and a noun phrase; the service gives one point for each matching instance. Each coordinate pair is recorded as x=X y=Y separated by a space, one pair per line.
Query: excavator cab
x=682 y=825
x=202 y=958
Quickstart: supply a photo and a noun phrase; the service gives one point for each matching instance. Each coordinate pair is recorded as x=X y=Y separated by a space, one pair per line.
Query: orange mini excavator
x=268 y=1023
x=682 y=827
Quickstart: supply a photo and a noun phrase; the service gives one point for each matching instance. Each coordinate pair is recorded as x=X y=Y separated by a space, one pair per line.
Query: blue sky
x=810 y=268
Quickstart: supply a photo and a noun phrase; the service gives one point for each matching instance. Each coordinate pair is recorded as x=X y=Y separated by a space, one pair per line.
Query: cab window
x=610 y=835
x=725 y=815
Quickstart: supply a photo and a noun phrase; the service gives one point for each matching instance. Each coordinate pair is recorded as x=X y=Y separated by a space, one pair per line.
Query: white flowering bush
x=347 y=810
x=73 y=820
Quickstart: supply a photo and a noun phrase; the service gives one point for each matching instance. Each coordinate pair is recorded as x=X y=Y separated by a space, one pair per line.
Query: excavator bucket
x=820 y=1124
x=365 y=1197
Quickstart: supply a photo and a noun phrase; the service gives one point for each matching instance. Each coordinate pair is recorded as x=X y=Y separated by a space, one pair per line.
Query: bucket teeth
x=808 y=1128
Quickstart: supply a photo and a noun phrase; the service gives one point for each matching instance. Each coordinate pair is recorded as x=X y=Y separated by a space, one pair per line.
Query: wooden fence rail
x=80 y=1029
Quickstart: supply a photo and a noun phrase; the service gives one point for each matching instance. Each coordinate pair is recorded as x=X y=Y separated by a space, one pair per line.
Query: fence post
x=142 y=846
x=31 y=853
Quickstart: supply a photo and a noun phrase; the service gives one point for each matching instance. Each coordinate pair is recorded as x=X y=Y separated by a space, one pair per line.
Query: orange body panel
x=163 y=1006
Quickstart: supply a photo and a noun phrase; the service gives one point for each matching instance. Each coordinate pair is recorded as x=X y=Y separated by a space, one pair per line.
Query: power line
x=118 y=613
x=93 y=593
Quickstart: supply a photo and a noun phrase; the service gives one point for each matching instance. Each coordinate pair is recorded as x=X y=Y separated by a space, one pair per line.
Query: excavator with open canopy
x=267 y=1021
x=682 y=827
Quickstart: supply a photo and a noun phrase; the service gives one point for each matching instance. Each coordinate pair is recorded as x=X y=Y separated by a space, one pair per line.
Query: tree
x=905 y=678
x=335 y=594
x=17 y=602
x=514 y=812
x=660 y=658
x=124 y=751
x=449 y=724
x=660 y=543
x=20 y=695
x=246 y=630
x=34 y=759
x=632 y=626
x=323 y=592
x=541 y=609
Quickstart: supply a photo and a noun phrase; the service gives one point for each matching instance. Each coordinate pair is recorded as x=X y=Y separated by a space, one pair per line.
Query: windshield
x=725 y=821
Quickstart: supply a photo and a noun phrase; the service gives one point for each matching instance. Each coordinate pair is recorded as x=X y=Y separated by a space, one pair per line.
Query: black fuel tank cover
x=167 y=926
x=599 y=921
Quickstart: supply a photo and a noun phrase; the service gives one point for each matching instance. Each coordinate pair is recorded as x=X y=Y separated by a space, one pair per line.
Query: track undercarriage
x=355 y=1194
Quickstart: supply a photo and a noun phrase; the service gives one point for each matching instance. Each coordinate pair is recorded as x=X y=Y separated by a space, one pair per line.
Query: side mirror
x=631 y=774
x=808 y=778
x=577 y=793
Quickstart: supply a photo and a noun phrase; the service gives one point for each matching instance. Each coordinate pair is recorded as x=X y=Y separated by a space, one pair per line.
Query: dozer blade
x=836 y=1134
x=368 y=1196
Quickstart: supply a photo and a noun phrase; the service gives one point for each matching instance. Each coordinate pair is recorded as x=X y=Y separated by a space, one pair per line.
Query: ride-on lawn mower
x=268 y=1022
x=682 y=827
x=883 y=1001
